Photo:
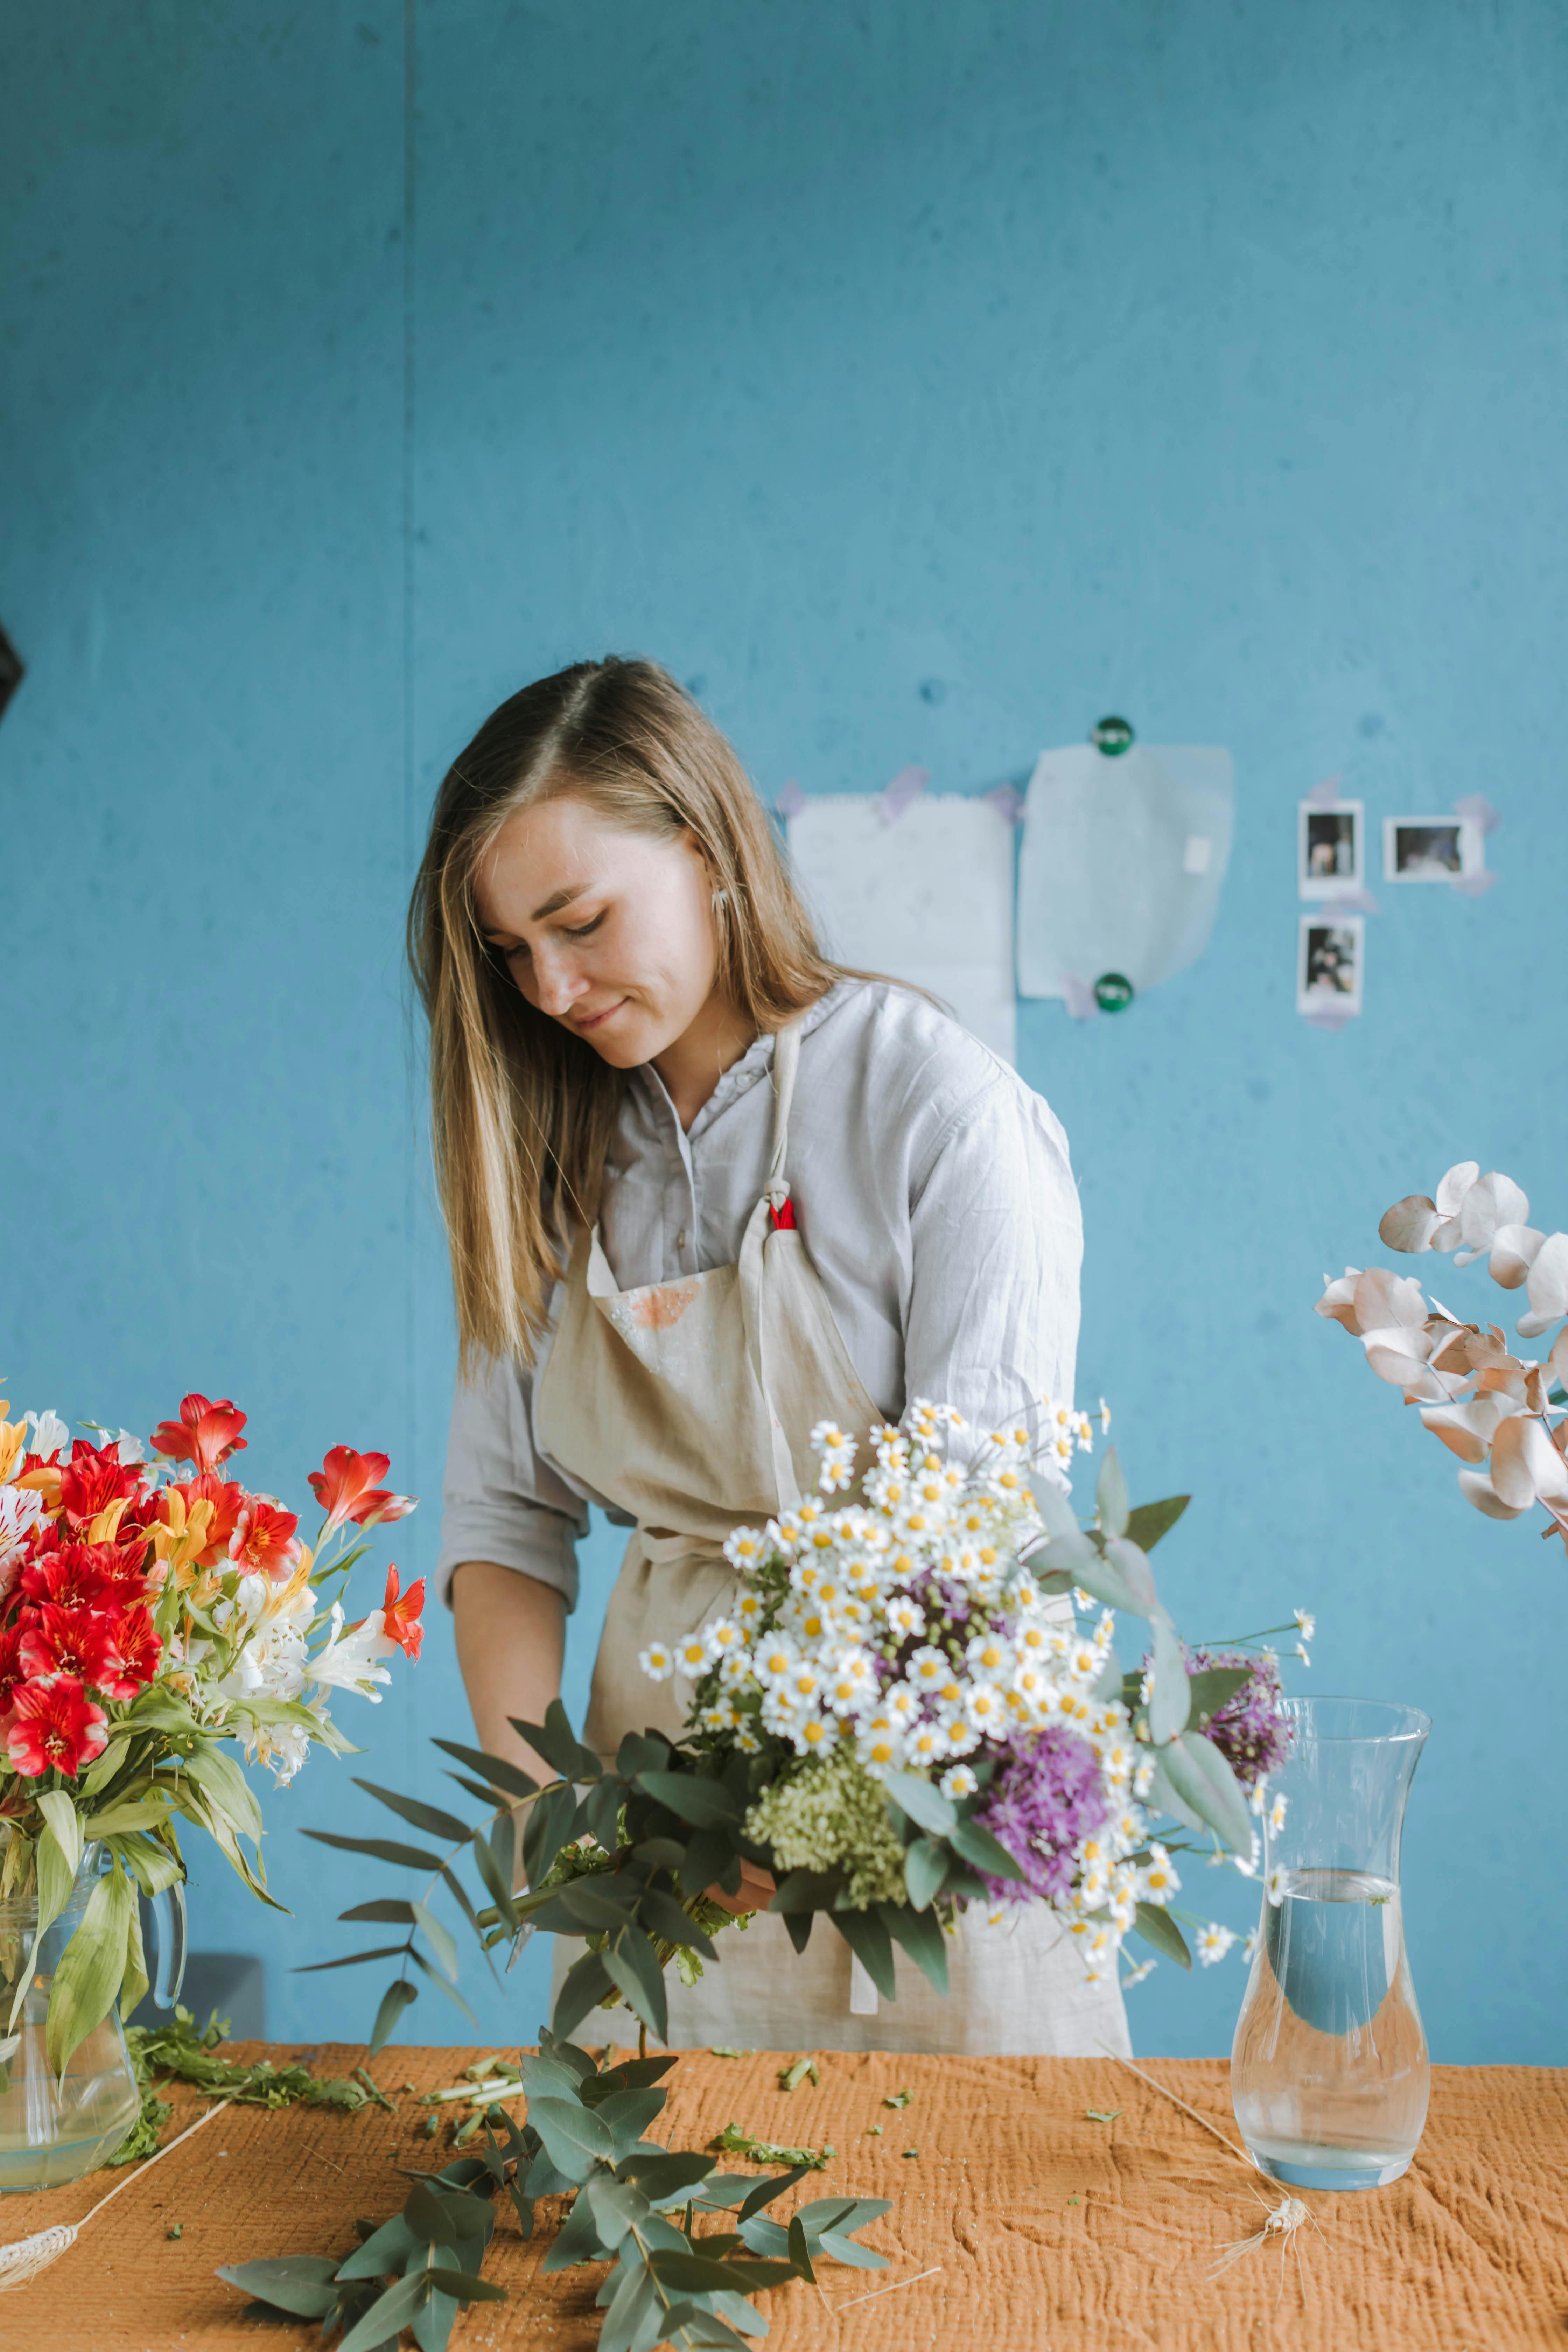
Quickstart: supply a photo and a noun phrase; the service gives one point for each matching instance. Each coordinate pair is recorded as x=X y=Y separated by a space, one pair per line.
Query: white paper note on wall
x=927 y=898
x=1122 y=864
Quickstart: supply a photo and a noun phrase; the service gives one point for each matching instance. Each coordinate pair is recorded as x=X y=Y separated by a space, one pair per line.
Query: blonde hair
x=522 y=1111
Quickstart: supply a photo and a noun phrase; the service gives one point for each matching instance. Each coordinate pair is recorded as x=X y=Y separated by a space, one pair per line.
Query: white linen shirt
x=933 y=1194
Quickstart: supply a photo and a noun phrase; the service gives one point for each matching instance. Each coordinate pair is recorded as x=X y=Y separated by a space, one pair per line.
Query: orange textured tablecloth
x=1037 y=2226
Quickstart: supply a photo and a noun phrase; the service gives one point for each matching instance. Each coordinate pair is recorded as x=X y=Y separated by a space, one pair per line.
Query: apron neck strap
x=786 y=1060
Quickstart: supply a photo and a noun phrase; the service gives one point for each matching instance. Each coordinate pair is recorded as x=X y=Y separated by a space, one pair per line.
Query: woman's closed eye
x=584 y=930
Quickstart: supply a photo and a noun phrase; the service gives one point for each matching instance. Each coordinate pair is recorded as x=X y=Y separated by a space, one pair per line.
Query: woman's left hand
x=756 y=1886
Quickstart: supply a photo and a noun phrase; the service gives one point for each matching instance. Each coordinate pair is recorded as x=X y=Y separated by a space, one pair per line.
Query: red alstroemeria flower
x=94 y=1478
x=137 y=1650
x=205 y=1434
x=345 y=1487
x=77 y=1576
x=55 y=1725
x=80 y=1642
x=12 y=1674
x=400 y=1618
x=263 y=1540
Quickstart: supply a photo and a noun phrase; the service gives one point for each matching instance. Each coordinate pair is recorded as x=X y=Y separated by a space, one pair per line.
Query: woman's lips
x=592 y=1020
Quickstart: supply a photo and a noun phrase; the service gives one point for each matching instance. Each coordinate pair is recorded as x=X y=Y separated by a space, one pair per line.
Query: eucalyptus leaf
x=925 y=1867
x=1150 y=1521
x=1170 y=1701
x=428 y=2216
x=1200 y=1774
x=389 y=1909
x=1164 y=1797
x=618 y=2204
x=547 y=1829
x=763 y=2192
x=394 y=2310
x=584 y=1987
x=428 y=1970
x=922 y=1801
x=705 y=1804
x=661 y=1915
x=555 y=1740
x=576 y=2139
x=299 y=2284
x=577 y=2242
x=393 y=2002
x=663 y=2177
x=985 y=1852
x=441 y=1939
x=464 y=2286
x=1213 y=1689
x=386 y=2249
x=405 y=1857
x=847 y=2249
x=497 y=1770
x=418 y=1815
x=1157 y=1927
x=350 y=1960
x=1114 y=1503
x=919 y=1933
x=582 y=1899
x=868 y=1940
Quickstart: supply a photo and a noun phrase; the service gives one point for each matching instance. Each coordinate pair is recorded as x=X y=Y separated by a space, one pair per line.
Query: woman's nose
x=557 y=981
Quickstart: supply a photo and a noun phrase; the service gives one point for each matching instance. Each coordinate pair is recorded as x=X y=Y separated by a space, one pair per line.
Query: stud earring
x=720 y=901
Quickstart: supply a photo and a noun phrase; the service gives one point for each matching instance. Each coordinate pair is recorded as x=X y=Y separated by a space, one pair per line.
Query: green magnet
x=1113 y=992
x=1113 y=736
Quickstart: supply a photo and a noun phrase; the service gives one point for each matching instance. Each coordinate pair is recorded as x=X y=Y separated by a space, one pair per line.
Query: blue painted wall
x=1204 y=363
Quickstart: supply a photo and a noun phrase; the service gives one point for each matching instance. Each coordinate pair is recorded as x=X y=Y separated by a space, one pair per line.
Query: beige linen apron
x=690 y=1405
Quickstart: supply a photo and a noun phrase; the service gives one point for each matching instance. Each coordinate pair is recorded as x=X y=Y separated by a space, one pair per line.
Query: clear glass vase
x=54 y=2128
x=1329 y=2071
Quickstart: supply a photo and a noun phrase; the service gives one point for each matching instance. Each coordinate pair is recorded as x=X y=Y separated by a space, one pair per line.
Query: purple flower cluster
x=1251 y=1730
x=1041 y=1805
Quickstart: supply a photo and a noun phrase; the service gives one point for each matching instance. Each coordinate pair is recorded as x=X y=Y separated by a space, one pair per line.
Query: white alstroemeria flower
x=50 y=1435
x=1213 y=1942
x=350 y=1660
x=21 y=1508
x=657 y=1662
x=1159 y=1881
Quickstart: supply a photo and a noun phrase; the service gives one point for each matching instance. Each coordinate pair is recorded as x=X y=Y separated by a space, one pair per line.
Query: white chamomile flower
x=928 y=1669
x=1136 y=1975
x=881 y=1751
x=1302 y=1652
x=746 y=1740
x=1306 y=1623
x=1277 y=1813
x=961 y=1734
x=1143 y=1777
x=1259 y=1798
x=1105 y=1431
x=959 y=1782
x=905 y=1616
x=1082 y=1601
x=735 y=1669
x=720 y=1716
x=903 y=1702
x=1275 y=1886
x=1032 y=1641
x=1105 y=1628
x=775 y=1658
x=1160 y=1880
x=1084 y=1661
x=1213 y=1942
x=657 y=1662
x=749 y=1612
x=801 y=1684
x=928 y=1744
x=815 y=1735
x=723 y=1635
x=984 y=1707
x=851 y=1684
x=1253 y=1944
x=746 y=1549
x=1025 y=1595
x=989 y=1657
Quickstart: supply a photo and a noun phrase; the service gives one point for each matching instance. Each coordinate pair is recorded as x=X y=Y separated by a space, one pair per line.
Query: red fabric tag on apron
x=784 y=1219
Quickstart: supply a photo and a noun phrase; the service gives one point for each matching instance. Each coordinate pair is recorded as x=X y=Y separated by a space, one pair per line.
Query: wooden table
x=1035 y=2226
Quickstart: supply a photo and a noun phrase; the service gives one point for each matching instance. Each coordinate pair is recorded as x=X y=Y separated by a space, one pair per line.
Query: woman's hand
x=756 y=1886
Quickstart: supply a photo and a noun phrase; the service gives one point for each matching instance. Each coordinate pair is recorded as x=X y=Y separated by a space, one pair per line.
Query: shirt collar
x=741 y=1075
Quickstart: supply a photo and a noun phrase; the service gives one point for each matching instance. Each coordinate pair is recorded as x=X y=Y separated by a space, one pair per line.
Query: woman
x=703 y=1188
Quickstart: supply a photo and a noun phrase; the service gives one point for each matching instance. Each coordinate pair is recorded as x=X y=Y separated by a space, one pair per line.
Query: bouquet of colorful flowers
x=1499 y=1412
x=149 y=1626
x=912 y=1704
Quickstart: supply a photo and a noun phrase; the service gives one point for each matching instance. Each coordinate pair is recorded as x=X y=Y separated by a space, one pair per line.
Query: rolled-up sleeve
x=998 y=1239
x=501 y=1499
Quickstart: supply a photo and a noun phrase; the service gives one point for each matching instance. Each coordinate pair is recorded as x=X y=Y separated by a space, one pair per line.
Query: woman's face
x=609 y=932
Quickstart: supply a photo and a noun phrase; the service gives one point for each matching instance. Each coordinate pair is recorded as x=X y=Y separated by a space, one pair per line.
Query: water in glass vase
x=1329 y=2070
x=53 y=2131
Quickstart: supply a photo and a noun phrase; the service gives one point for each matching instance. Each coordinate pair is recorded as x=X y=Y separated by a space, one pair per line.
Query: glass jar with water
x=53 y=2128
x=1328 y=2071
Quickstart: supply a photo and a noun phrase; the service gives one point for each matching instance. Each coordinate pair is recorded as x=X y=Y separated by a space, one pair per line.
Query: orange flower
x=205 y=1434
x=345 y=1487
x=263 y=1540
x=400 y=1618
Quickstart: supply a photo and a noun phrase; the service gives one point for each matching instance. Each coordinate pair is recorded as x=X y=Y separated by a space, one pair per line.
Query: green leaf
x=495 y=1880
x=616 y=2206
x=427 y=2215
x=397 y=1997
x=627 y=2115
x=845 y=2250
x=465 y=2286
x=662 y=2177
x=389 y=1909
x=442 y=1941
x=984 y=1852
x=405 y=1857
x=429 y=1818
x=661 y=1915
x=1213 y=1689
x=548 y=1826
x=1150 y=1521
x=583 y=1988
x=798 y=1928
x=55 y=1883
x=577 y=2240
x=1200 y=1774
x=641 y=1752
x=868 y=1938
x=632 y=1952
x=1111 y=1495
x=799 y=2251
x=555 y=1740
x=350 y=1960
x=386 y=2249
x=380 y=2325
x=149 y=1861
x=590 y=1908
x=88 y=1975
x=299 y=2284
x=689 y=2273
x=704 y=1803
x=1165 y=1797
x=1157 y=1927
x=443 y=1984
x=220 y=1778
x=925 y=1867
x=601 y=1810
x=634 y=2302
x=1170 y=1698
x=763 y=2192
x=806 y=1890
x=59 y=1813
x=919 y=1933
x=924 y=1803
x=576 y=2139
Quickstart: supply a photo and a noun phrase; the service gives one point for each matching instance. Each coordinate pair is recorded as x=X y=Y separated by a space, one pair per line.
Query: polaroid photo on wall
x=1331 y=848
x=1329 y=959
x=1431 y=848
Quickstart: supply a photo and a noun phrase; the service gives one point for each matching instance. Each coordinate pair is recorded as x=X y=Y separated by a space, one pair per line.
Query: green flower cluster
x=833 y=1813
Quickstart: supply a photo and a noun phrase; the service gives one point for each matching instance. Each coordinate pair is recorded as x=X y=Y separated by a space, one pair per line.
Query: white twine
x=26 y=2257
x=1286 y=2218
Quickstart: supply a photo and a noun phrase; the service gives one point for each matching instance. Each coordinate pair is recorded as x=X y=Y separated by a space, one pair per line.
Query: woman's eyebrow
x=562 y=898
